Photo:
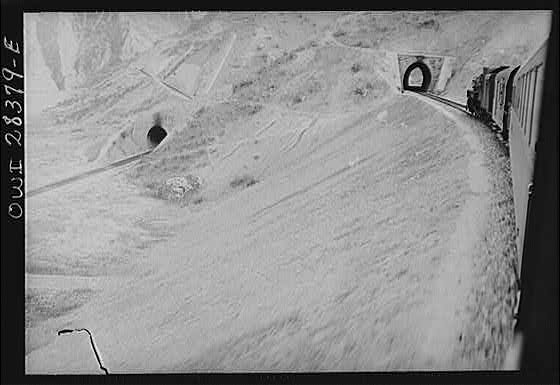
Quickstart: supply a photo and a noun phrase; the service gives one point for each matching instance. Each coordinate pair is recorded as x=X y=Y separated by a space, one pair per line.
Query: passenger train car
x=510 y=99
x=523 y=128
x=524 y=107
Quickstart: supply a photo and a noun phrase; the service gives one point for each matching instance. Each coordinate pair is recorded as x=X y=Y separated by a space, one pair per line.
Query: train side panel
x=503 y=96
x=525 y=112
x=491 y=91
x=486 y=92
x=509 y=98
x=500 y=97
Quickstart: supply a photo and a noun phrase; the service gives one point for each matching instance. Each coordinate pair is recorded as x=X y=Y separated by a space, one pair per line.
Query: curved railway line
x=132 y=158
x=449 y=102
x=463 y=108
x=98 y=170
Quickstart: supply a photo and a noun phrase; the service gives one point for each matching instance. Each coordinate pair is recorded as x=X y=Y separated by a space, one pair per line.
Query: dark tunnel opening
x=156 y=135
x=426 y=77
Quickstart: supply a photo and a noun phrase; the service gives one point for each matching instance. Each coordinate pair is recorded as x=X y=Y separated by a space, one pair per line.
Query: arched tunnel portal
x=426 y=77
x=155 y=135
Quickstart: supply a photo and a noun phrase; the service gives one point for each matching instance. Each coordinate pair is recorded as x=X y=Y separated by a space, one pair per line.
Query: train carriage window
x=521 y=91
x=520 y=96
x=521 y=99
x=500 y=95
x=532 y=104
x=499 y=92
x=537 y=101
x=524 y=103
x=527 y=99
x=517 y=92
x=531 y=81
x=530 y=78
x=515 y=95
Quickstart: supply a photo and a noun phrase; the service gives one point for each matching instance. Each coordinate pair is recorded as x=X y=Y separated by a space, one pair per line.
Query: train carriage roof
x=498 y=69
x=507 y=72
x=539 y=52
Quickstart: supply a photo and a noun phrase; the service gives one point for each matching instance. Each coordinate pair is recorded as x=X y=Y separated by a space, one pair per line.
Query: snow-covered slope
x=339 y=225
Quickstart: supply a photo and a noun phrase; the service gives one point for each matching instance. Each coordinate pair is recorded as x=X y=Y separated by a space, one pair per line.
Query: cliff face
x=75 y=47
x=49 y=48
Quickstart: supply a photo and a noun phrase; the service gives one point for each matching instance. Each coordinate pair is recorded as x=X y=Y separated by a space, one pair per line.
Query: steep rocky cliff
x=76 y=46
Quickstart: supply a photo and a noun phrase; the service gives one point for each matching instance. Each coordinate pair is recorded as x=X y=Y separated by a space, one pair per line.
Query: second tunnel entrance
x=156 y=134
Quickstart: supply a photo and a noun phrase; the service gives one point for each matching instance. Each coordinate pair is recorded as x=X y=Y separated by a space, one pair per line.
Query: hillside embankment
x=337 y=225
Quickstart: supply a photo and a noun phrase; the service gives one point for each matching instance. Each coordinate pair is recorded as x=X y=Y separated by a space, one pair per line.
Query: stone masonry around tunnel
x=436 y=70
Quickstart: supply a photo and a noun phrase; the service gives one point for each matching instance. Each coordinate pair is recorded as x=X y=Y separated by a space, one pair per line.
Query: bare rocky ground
x=338 y=226
x=491 y=302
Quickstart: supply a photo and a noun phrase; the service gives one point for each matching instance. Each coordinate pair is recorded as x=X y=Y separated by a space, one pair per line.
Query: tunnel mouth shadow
x=155 y=135
x=426 y=77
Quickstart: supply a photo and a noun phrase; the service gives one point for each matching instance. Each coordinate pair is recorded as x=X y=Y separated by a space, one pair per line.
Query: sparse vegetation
x=431 y=23
x=363 y=89
x=243 y=181
x=360 y=91
x=253 y=108
x=298 y=99
x=242 y=84
x=356 y=67
x=362 y=44
x=46 y=303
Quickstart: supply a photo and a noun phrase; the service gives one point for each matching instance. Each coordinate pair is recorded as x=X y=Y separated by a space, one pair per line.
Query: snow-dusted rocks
x=179 y=186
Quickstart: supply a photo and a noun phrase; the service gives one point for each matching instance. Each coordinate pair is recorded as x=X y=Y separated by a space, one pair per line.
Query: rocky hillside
x=301 y=214
x=476 y=39
x=65 y=50
x=77 y=46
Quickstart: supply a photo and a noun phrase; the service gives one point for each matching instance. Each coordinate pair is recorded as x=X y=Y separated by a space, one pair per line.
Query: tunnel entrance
x=412 y=75
x=156 y=135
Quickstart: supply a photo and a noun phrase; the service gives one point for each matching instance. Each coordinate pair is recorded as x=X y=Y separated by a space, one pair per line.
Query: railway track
x=449 y=102
x=98 y=170
x=463 y=108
